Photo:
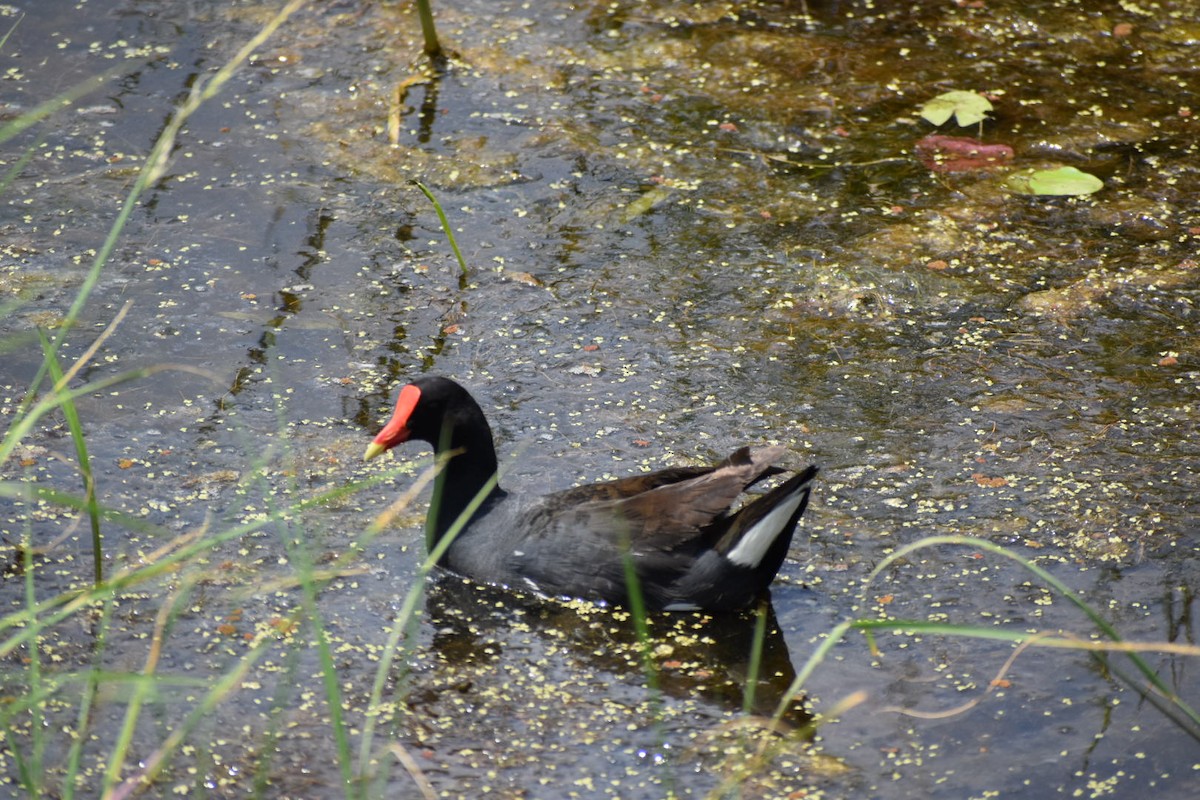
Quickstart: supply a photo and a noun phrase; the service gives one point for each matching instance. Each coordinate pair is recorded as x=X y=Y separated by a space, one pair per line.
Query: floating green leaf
x=1066 y=181
x=967 y=108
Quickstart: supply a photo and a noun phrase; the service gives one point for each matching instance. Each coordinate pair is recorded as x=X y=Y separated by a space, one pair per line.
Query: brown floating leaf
x=960 y=153
x=989 y=482
x=527 y=278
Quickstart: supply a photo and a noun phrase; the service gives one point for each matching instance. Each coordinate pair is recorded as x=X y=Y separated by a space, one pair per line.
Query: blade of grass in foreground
x=32 y=772
x=224 y=689
x=19 y=165
x=310 y=586
x=24 y=423
x=756 y=649
x=29 y=623
x=118 y=755
x=92 y=686
x=1039 y=639
x=154 y=168
x=81 y=454
x=1108 y=630
x=641 y=627
x=312 y=582
x=406 y=617
x=45 y=109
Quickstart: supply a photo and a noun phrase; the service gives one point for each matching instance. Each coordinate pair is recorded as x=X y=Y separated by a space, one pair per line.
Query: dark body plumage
x=688 y=550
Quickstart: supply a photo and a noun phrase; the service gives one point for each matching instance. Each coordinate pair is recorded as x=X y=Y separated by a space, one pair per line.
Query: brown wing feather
x=582 y=533
x=681 y=510
x=628 y=487
x=759 y=458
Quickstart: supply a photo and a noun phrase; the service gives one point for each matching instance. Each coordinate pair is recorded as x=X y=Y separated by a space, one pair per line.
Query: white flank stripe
x=681 y=607
x=754 y=545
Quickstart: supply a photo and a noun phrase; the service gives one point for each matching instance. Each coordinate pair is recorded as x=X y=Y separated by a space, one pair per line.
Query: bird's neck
x=469 y=472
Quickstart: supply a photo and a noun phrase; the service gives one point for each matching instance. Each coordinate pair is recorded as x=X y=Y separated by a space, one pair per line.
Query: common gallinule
x=675 y=526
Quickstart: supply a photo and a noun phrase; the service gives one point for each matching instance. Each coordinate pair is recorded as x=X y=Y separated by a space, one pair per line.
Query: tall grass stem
x=71 y=414
x=433 y=48
x=756 y=651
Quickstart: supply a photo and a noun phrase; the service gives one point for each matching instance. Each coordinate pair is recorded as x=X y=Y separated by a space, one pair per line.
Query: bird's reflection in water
x=690 y=654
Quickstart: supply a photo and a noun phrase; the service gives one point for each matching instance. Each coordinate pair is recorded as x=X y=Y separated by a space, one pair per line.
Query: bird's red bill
x=396 y=431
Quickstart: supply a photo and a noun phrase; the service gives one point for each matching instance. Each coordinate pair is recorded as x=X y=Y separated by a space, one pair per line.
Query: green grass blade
x=118 y=754
x=831 y=640
x=1173 y=706
x=35 y=772
x=29 y=623
x=26 y=419
x=60 y=101
x=433 y=47
x=221 y=691
x=309 y=591
x=9 y=32
x=406 y=616
x=90 y=689
x=755 y=665
x=967 y=541
x=12 y=172
x=280 y=703
x=1062 y=641
x=153 y=169
x=81 y=454
x=462 y=263
x=641 y=627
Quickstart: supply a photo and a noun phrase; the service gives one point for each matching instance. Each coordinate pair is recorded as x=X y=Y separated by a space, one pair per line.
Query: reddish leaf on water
x=960 y=153
x=989 y=482
x=527 y=278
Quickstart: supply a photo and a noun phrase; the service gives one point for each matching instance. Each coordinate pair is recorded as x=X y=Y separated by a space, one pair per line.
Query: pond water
x=687 y=227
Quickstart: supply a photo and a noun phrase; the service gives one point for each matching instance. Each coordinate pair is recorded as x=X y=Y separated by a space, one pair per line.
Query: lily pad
x=967 y=108
x=1062 y=181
